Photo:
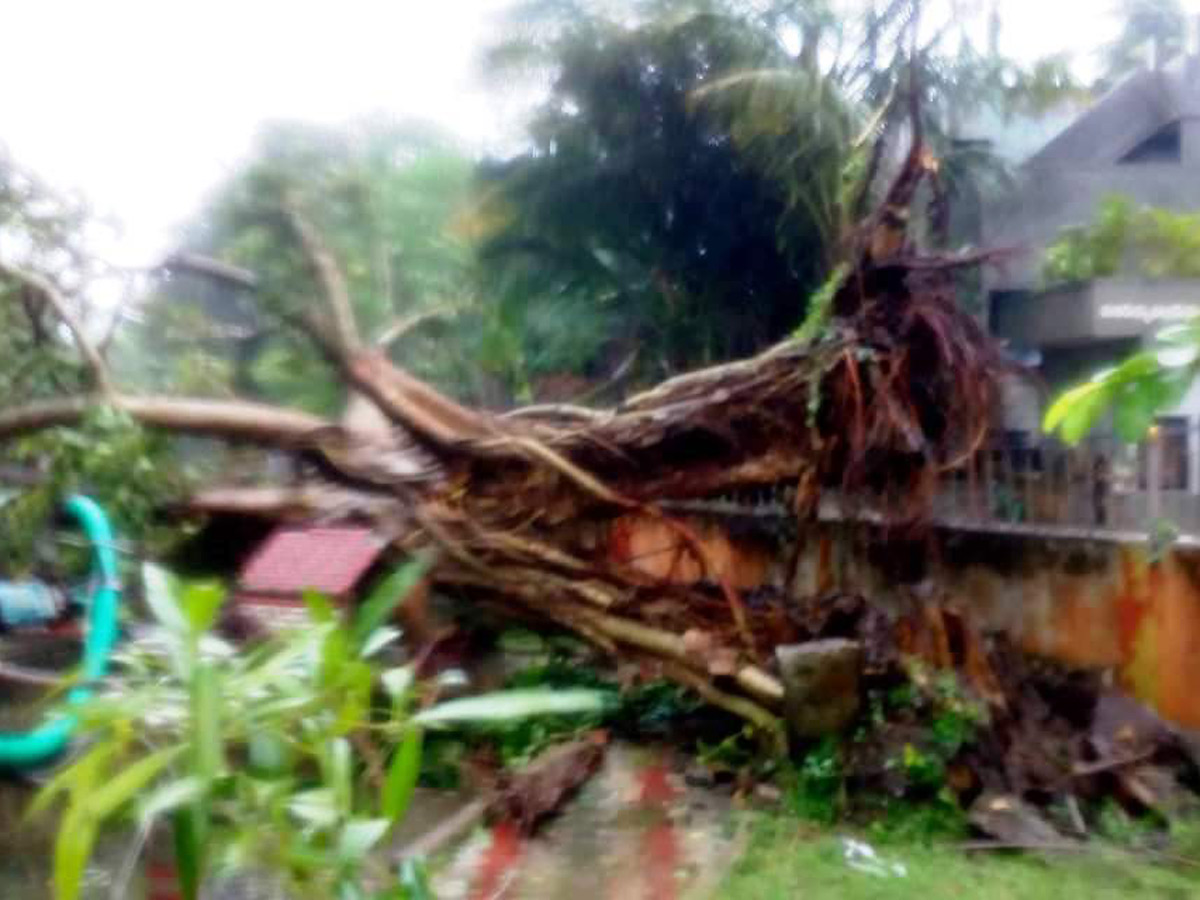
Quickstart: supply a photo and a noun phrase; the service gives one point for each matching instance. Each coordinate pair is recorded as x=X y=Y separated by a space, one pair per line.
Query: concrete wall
x=1105 y=309
x=1093 y=604
x=1050 y=198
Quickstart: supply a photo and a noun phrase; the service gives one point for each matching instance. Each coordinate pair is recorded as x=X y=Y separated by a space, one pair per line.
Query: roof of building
x=331 y=560
x=1135 y=110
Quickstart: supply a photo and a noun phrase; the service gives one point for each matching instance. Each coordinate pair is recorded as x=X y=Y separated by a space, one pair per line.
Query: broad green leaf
x=160 y=591
x=402 y=775
x=72 y=850
x=1082 y=417
x=382 y=602
x=206 y=722
x=505 y=706
x=169 y=798
x=1068 y=401
x=1134 y=410
x=201 y=602
x=359 y=836
x=124 y=786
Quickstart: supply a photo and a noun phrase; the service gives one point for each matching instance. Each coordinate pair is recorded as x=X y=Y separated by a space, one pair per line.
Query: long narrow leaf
x=187 y=851
x=72 y=850
x=383 y=601
x=402 y=775
x=507 y=706
x=126 y=784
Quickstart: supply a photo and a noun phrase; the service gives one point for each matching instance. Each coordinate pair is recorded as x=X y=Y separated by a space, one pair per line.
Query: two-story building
x=1141 y=141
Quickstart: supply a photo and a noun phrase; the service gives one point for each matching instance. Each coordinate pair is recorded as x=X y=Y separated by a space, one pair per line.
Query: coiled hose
x=29 y=749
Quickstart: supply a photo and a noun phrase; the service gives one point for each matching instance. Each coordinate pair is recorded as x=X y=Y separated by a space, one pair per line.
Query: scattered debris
x=1012 y=821
x=862 y=857
x=1031 y=750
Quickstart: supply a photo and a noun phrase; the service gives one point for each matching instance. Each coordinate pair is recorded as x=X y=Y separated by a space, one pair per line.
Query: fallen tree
x=896 y=387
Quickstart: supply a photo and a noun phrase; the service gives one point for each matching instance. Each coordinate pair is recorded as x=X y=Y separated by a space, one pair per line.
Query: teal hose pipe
x=24 y=750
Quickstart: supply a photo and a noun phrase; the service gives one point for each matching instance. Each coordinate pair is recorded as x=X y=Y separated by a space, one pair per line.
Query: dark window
x=1165 y=145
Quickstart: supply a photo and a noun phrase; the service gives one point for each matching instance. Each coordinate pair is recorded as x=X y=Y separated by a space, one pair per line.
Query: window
x=1165 y=145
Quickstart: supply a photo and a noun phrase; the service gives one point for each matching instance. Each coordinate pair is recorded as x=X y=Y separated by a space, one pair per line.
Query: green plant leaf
x=315 y=807
x=201 y=603
x=380 y=638
x=384 y=600
x=187 y=851
x=206 y=722
x=414 y=883
x=77 y=779
x=169 y=798
x=161 y=591
x=359 y=836
x=339 y=775
x=319 y=607
x=402 y=775
x=506 y=706
x=122 y=787
x=72 y=850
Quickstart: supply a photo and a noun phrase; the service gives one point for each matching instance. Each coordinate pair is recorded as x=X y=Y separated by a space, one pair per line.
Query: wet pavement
x=636 y=831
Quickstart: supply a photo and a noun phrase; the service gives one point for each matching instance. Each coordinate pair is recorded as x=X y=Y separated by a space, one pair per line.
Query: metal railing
x=1101 y=487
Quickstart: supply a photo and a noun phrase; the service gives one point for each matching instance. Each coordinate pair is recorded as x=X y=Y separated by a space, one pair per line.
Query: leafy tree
x=697 y=165
x=384 y=197
x=1145 y=23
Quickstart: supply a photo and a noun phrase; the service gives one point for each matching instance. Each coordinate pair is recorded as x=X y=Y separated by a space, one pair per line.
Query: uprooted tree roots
x=897 y=387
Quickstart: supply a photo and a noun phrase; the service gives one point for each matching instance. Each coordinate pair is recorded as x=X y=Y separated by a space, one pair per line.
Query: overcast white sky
x=145 y=104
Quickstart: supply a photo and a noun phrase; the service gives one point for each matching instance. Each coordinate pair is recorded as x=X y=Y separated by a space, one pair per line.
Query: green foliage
x=638 y=219
x=386 y=198
x=128 y=469
x=819 y=305
x=1150 y=241
x=1095 y=251
x=817 y=793
x=45 y=233
x=1147 y=384
x=254 y=760
x=1143 y=22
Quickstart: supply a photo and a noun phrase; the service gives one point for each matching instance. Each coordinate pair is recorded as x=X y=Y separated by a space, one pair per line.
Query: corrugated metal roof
x=329 y=560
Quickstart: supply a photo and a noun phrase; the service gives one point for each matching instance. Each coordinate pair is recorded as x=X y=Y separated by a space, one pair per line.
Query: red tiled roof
x=329 y=560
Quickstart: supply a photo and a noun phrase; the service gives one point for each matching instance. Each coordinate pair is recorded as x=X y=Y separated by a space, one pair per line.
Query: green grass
x=790 y=859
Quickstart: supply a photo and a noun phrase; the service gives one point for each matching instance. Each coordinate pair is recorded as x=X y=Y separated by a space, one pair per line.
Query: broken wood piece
x=1011 y=820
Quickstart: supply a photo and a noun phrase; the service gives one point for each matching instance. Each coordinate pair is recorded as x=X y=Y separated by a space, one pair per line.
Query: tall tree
x=383 y=197
x=1157 y=27
x=697 y=166
x=637 y=211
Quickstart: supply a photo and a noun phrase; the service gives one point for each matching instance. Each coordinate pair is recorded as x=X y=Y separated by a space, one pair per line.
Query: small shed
x=338 y=561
